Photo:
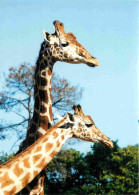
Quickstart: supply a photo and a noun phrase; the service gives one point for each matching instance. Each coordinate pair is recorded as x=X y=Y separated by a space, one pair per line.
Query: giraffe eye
x=89 y=125
x=64 y=44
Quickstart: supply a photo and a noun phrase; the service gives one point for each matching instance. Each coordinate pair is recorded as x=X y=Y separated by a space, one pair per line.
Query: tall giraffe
x=21 y=169
x=60 y=46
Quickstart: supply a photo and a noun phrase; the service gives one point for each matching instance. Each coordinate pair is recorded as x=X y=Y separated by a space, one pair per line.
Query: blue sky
x=108 y=30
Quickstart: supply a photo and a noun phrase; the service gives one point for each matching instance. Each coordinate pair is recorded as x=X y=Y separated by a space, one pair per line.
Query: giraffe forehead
x=89 y=119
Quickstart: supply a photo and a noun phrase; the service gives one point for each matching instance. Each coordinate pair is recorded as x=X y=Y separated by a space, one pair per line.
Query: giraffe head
x=64 y=47
x=84 y=128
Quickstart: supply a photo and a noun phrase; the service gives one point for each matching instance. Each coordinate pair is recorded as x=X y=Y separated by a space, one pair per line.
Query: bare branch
x=13 y=125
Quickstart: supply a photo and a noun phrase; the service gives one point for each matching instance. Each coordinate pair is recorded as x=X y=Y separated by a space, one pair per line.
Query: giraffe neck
x=23 y=168
x=42 y=115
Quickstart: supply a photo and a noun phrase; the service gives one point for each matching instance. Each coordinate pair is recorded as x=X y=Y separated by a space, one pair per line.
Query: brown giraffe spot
x=43 y=109
x=43 y=95
x=38 y=79
x=32 y=128
x=25 y=180
x=62 y=131
x=62 y=137
x=55 y=134
x=50 y=88
x=45 y=140
x=40 y=57
x=44 y=73
x=77 y=49
x=43 y=81
x=46 y=63
x=6 y=180
x=70 y=56
x=37 y=102
x=65 y=55
x=36 y=157
x=38 y=149
x=51 y=63
x=35 y=88
x=42 y=66
x=54 y=52
x=94 y=131
x=57 y=143
x=35 y=173
x=18 y=171
x=53 y=153
x=80 y=50
x=71 y=133
x=35 y=117
x=50 y=112
x=48 y=146
x=13 y=190
x=49 y=72
x=26 y=163
x=44 y=122
x=36 y=68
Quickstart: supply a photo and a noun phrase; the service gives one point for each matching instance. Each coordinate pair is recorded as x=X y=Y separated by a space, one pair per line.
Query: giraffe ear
x=46 y=35
x=71 y=118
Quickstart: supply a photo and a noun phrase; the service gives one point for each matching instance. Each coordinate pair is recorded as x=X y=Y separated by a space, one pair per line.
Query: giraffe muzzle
x=107 y=144
x=92 y=62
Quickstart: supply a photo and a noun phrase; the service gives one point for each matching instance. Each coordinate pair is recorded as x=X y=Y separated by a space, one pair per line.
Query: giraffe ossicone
x=23 y=168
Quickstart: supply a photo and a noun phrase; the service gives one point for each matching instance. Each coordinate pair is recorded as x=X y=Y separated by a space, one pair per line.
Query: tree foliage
x=17 y=98
x=101 y=171
x=115 y=170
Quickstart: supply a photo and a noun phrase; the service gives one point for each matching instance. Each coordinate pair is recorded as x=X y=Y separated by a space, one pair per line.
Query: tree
x=65 y=174
x=101 y=171
x=17 y=98
x=5 y=157
x=114 y=171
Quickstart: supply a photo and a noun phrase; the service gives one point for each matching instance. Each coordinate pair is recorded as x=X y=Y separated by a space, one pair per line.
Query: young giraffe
x=60 y=46
x=20 y=170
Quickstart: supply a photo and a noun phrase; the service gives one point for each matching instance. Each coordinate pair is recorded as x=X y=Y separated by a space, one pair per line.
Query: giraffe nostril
x=93 y=57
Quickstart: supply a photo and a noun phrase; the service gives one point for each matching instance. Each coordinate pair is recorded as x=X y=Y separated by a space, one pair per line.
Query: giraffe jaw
x=108 y=143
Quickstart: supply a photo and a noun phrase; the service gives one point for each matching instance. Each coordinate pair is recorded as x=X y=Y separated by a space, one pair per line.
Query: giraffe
x=60 y=46
x=21 y=169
